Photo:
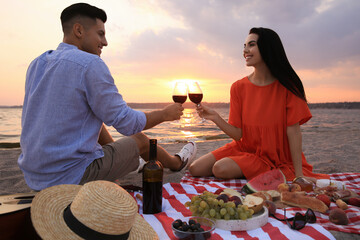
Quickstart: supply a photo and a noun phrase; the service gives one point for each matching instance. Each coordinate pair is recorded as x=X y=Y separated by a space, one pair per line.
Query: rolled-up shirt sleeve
x=107 y=103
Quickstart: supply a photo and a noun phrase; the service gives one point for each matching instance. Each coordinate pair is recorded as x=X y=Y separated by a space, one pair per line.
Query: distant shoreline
x=328 y=105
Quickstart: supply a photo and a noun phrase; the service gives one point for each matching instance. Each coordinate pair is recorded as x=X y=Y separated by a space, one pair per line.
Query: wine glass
x=180 y=92
x=195 y=94
x=179 y=96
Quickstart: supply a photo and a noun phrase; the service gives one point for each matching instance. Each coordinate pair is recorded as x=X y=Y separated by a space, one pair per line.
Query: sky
x=154 y=43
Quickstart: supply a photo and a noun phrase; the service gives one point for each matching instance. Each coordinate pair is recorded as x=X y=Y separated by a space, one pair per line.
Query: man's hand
x=169 y=113
x=173 y=112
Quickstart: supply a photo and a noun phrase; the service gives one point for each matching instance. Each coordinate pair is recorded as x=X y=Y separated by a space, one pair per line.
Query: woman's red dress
x=263 y=113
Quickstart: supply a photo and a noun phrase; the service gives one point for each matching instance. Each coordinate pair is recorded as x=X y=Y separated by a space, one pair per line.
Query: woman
x=266 y=111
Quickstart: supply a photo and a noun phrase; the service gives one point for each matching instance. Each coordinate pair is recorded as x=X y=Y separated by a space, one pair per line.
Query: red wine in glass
x=195 y=94
x=179 y=98
x=196 y=97
x=180 y=92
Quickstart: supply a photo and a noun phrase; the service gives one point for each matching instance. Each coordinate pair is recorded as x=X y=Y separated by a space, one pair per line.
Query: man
x=69 y=95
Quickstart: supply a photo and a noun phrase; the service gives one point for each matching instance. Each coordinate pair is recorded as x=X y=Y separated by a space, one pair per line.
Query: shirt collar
x=64 y=46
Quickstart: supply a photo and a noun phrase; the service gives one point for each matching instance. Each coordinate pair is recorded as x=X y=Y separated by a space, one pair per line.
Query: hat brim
x=47 y=215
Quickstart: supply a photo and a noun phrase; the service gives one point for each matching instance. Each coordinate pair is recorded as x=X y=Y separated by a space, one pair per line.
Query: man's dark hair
x=82 y=10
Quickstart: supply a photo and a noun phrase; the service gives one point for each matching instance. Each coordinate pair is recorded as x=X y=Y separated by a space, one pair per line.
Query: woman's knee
x=202 y=166
x=194 y=170
x=219 y=170
x=226 y=168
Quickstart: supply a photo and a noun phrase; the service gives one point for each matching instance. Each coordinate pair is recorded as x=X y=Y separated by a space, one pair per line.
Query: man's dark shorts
x=120 y=158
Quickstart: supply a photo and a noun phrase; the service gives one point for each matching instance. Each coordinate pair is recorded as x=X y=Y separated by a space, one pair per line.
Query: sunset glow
x=153 y=44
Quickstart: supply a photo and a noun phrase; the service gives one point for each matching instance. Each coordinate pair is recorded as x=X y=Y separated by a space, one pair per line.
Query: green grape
x=230 y=204
x=197 y=202
x=212 y=205
x=203 y=204
x=239 y=211
x=223 y=211
x=236 y=215
x=251 y=211
x=221 y=203
x=193 y=209
x=206 y=211
x=243 y=216
x=231 y=211
x=227 y=216
x=200 y=209
x=218 y=215
x=212 y=212
x=195 y=198
x=245 y=207
x=248 y=213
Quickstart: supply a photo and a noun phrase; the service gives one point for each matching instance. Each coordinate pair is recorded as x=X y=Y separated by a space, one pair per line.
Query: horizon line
x=211 y=103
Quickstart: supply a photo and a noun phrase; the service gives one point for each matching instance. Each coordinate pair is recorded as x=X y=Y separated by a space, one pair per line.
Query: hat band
x=85 y=232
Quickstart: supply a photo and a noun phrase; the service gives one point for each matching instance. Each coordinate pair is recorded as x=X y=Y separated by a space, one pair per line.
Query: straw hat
x=99 y=207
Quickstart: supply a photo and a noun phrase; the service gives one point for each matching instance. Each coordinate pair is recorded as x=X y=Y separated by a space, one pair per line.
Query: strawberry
x=324 y=198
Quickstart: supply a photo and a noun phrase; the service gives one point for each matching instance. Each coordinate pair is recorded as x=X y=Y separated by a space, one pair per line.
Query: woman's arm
x=230 y=130
x=295 y=144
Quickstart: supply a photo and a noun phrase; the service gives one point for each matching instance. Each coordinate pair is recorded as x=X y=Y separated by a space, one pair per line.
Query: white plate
x=258 y=220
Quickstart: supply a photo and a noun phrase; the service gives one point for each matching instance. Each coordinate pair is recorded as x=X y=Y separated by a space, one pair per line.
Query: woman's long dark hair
x=274 y=56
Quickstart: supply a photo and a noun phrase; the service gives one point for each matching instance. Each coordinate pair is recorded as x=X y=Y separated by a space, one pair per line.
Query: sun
x=188 y=81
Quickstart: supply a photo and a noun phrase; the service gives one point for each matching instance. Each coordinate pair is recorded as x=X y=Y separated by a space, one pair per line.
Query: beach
x=12 y=179
x=328 y=152
x=329 y=149
x=331 y=143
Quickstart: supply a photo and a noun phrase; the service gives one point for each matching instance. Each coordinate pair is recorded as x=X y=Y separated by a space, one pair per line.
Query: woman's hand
x=207 y=113
x=210 y=114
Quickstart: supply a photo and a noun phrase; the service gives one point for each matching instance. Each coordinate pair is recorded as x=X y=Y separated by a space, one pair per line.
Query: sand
x=327 y=152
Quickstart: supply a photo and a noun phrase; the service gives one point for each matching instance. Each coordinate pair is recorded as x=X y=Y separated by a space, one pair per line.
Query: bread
x=303 y=201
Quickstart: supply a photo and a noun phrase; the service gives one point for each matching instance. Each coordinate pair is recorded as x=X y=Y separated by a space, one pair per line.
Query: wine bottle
x=152 y=182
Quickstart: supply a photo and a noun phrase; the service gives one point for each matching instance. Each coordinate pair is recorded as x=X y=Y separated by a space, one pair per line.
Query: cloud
x=315 y=34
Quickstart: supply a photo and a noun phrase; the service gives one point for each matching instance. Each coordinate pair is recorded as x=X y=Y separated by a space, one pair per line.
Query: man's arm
x=169 y=113
x=104 y=136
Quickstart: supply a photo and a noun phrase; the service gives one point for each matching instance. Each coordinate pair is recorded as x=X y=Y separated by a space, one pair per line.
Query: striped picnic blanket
x=352 y=181
x=175 y=195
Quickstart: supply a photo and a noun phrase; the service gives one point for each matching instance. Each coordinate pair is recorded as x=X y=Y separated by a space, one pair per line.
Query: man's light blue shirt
x=69 y=94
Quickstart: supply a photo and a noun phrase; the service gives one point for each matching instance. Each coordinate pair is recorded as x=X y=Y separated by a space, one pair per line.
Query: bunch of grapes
x=221 y=206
